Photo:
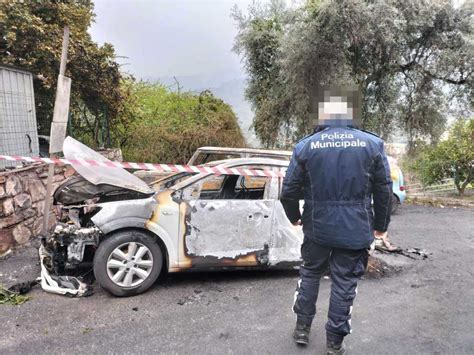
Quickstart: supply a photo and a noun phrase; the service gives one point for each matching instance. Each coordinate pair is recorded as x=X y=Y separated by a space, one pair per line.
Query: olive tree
x=408 y=58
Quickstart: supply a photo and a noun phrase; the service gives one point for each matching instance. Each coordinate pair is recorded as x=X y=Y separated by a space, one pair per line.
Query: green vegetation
x=31 y=38
x=13 y=298
x=167 y=127
x=148 y=121
x=451 y=158
x=408 y=59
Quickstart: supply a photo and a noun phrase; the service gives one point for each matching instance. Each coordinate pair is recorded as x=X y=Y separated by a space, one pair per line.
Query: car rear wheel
x=127 y=263
x=395 y=204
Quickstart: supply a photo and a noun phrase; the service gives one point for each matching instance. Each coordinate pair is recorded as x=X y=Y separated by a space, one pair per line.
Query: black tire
x=111 y=243
x=395 y=204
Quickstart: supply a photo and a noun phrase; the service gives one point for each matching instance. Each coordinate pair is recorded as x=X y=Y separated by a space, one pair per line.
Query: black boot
x=335 y=349
x=301 y=333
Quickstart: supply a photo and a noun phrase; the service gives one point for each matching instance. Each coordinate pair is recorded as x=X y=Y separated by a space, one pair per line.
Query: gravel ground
x=425 y=308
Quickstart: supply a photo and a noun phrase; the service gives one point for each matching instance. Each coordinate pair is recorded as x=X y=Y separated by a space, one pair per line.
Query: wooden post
x=49 y=184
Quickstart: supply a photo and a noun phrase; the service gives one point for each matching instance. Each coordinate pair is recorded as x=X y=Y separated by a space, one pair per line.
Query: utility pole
x=49 y=184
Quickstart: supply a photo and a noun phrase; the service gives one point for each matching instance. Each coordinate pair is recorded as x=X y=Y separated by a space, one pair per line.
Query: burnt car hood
x=76 y=190
x=102 y=183
x=98 y=175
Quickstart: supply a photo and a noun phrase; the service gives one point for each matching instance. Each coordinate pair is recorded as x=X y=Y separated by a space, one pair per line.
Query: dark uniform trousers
x=346 y=268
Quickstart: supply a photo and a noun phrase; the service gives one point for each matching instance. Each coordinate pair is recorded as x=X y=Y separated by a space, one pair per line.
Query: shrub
x=451 y=158
x=169 y=126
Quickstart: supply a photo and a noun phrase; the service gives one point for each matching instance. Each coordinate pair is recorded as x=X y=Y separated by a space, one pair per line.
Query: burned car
x=206 y=154
x=131 y=231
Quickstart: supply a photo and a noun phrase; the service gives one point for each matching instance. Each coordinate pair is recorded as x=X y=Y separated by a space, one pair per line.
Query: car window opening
x=230 y=187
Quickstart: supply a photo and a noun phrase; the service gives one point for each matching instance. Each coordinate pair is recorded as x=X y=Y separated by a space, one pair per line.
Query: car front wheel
x=127 y=263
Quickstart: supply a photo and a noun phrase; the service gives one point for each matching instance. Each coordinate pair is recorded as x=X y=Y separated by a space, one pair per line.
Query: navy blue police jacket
x=339 y=171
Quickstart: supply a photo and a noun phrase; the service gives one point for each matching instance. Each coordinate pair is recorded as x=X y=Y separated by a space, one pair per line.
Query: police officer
x=340 y=171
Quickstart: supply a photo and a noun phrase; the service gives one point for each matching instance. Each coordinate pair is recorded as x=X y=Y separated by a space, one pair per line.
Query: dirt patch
x=378 y=268
x=385 y=264
x=441 y=202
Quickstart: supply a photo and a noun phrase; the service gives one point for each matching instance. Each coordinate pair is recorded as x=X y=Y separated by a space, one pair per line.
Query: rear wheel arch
x=395 y=203
x=398 y=198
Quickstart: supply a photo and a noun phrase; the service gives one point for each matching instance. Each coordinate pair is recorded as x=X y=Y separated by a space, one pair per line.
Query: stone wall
x=114 y=154
x=22 y=198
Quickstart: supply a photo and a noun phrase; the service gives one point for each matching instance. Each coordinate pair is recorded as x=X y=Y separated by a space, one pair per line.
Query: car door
x=229 y=221
x=286 y=239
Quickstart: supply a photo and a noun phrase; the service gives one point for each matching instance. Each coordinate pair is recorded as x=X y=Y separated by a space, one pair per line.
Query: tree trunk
x=462 y=187
x=458 y=187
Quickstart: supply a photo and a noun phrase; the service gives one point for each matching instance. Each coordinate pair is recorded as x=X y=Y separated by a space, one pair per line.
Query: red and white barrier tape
x=164 y=168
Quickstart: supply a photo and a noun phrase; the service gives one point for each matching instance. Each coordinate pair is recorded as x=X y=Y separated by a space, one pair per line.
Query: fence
x=26 y=114
x=446 y=186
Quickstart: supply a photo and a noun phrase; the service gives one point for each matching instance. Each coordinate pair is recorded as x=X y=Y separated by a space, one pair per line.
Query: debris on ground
x=224 y=335
x=5 y=253
x=23 y=287
x=12 y=298
x=63 y=285
x=86 y=330
x=408 y=252
x=383 y=245
x=423 y=253
x=199 y=297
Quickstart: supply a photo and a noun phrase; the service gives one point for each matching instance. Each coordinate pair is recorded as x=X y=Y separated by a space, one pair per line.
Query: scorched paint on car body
x=201 y=221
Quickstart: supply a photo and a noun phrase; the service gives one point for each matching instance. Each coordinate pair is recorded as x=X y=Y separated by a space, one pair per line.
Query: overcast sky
x=164 y=38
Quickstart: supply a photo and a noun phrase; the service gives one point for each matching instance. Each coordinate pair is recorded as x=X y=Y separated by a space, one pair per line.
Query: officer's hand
x=380 y=235
x=297 y=223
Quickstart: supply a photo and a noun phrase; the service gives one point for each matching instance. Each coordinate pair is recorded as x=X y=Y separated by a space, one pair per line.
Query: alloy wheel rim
x=129 y=264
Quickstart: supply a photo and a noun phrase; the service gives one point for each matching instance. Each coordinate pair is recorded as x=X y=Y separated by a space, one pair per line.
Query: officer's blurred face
x=335 y=106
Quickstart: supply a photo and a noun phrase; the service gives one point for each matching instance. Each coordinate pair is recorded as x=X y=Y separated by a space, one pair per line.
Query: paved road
x=426 y=308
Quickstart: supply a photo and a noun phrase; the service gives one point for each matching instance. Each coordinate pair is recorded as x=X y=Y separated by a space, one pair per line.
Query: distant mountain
x=232 y=92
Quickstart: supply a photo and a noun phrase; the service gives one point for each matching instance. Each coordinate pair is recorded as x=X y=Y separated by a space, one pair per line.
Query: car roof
x=233 y=163
x=244 y=150
x=230 y=163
